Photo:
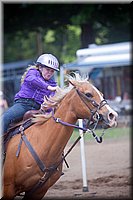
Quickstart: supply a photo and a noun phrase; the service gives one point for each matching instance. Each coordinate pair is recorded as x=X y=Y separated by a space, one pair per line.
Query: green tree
x=103 y=23
x=30 y=29
x=64 y=41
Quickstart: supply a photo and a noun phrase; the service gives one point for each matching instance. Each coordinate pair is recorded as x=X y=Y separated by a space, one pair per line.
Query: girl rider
x=35 y=84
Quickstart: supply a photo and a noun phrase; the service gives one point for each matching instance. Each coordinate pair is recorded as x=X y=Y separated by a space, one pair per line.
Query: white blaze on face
x=110 y=110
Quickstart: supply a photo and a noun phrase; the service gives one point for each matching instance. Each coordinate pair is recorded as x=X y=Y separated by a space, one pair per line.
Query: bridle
x=95 y=116
x=94 y=119
x=93 y=102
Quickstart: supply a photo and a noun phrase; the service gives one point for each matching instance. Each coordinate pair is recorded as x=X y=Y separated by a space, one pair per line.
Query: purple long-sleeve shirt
x=35 y=87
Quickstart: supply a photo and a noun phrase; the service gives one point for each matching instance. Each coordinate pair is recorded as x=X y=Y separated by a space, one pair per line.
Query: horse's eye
x=89 y=95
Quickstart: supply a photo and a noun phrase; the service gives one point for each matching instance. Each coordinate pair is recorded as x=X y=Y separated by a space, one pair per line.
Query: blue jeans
x=17 y=111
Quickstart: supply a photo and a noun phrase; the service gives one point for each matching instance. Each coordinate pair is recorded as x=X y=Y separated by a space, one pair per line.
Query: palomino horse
x=35 y=174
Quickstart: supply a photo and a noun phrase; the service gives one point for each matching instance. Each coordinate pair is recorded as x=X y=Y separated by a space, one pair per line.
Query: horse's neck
x=60 y=134
x=66 y=113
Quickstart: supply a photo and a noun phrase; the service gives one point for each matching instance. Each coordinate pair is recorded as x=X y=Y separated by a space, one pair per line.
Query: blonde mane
x=54 y=101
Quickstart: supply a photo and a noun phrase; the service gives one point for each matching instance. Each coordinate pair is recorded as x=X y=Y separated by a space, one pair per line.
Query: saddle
x=26 y=122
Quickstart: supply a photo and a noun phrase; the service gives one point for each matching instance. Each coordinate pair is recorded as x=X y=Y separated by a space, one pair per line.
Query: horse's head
x=88 y=102
x=93 y=102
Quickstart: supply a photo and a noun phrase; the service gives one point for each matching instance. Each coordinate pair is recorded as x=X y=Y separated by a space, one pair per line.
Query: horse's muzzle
x=110 y=119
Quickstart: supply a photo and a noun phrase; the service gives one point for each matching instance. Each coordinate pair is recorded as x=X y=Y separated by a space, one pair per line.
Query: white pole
x=85 y=186
x=61 y=77
x=82 y=149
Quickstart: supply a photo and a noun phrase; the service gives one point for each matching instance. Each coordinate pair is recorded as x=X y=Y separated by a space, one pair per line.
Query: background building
x=108 y=66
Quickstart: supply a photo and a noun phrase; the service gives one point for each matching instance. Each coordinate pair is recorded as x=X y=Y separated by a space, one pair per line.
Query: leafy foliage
x=33 y=28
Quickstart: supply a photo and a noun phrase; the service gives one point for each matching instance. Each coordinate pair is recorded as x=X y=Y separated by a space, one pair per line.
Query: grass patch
x=112 y=133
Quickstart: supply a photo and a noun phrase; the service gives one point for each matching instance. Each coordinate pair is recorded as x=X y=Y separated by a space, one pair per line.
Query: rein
x=93 y=112
x=98 y=139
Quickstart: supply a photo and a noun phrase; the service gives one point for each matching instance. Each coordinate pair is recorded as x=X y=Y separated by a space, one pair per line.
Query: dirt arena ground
x=108 y=172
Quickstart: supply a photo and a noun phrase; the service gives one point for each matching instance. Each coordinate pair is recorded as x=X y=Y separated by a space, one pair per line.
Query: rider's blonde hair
x=27 y=69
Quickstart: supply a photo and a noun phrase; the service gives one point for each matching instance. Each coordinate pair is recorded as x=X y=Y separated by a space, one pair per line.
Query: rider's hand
x=52 y=88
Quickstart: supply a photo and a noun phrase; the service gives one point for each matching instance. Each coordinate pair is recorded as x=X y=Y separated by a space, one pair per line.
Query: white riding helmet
x=48 y=60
